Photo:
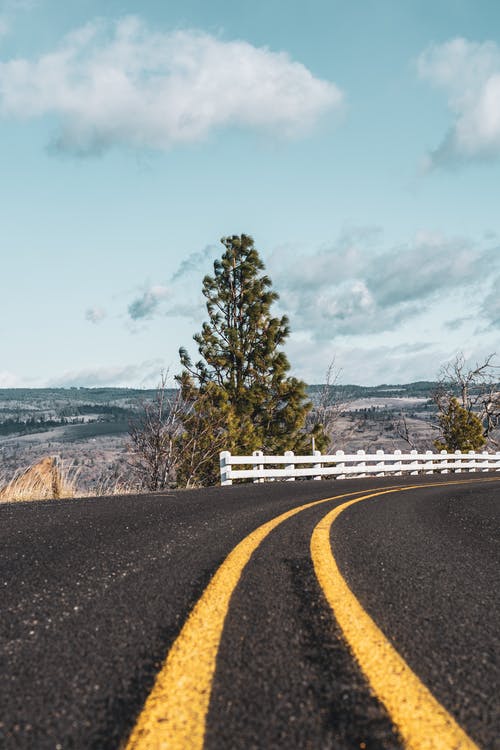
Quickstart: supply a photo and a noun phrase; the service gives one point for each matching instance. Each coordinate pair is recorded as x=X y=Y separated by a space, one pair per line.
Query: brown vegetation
x=44 y=480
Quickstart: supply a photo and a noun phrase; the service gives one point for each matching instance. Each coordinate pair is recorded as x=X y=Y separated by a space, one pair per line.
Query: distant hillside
x=131 y=396
x=74 y=395
x=419 y=389
x=25 y=411
x=98 y=411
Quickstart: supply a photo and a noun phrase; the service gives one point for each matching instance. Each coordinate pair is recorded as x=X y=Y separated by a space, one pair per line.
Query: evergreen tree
x=241 y=355
x=208 y=427
x=461 y=429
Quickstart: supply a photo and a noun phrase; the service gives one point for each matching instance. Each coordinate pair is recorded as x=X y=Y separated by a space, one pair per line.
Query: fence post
x=380 y=465
x=225 y=468
x=340 y=465
x=414 y=463
x=429 y=463
x=289 y=467
x=398 y=464
x=472 y=460
x=361 y=464
x=317 y=466
x=443 y=471
x=258 y=480
x=458 y=462
x=486 y=464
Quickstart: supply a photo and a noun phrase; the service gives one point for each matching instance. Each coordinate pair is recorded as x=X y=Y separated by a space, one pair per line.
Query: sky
x=357 y=142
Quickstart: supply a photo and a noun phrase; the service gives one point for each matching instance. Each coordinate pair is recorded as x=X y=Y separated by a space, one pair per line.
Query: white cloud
x=367 y=365
x=182 y=302
x=469 y=73
x=95 y=314
x=10 y=380
x=196 y=261
x=140 y=375
x=425 y=268
x=352 y=288
x=491 y=305
x=125 y=84
x=147 y=304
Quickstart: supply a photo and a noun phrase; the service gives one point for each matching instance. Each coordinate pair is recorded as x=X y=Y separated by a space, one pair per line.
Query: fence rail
x=343 y=465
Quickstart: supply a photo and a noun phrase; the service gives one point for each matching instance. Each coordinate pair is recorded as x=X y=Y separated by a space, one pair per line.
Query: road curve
x=94 y=594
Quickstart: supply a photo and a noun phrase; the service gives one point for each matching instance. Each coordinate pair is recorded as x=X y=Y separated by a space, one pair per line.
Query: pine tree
x=241 y=354
x=208 y=427
x=461 y=429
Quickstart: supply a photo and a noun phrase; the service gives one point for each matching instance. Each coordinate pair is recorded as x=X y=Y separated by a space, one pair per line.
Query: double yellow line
x=174 y=715
x=422 y=722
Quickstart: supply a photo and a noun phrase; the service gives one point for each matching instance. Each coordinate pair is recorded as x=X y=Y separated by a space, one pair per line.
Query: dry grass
x=112 y=486
x=47 y=479
x=50 y=479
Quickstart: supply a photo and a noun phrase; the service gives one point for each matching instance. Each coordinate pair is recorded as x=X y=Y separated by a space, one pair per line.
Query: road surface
x=95 y=592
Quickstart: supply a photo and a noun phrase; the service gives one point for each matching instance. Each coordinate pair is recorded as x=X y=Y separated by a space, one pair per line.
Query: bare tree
x=477 y=389
x=329 y=403
x=490 y=410
x=403 y=431
x=154 y=438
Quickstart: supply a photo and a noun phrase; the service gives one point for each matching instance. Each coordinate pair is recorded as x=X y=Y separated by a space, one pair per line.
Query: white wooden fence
x=343 y=465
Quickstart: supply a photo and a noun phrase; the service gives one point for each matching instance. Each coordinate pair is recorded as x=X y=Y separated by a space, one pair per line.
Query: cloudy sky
x=357 y=141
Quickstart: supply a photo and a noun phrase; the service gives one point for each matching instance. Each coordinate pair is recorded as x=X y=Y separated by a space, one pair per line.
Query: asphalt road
x=93 y=593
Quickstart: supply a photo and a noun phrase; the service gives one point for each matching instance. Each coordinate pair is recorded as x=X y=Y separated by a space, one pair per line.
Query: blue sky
x=357 y=142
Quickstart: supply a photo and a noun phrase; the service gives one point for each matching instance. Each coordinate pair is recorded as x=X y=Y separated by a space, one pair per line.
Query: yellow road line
x=422 y=722
x=174 y=715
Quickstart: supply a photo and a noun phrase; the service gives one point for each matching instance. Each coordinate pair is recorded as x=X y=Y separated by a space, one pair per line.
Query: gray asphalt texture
x=93 y=593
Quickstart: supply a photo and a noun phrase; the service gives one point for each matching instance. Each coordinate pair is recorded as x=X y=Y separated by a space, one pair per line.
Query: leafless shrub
x=403 y=431
x=477 y=389
x=329 y=404
x=154 y=433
